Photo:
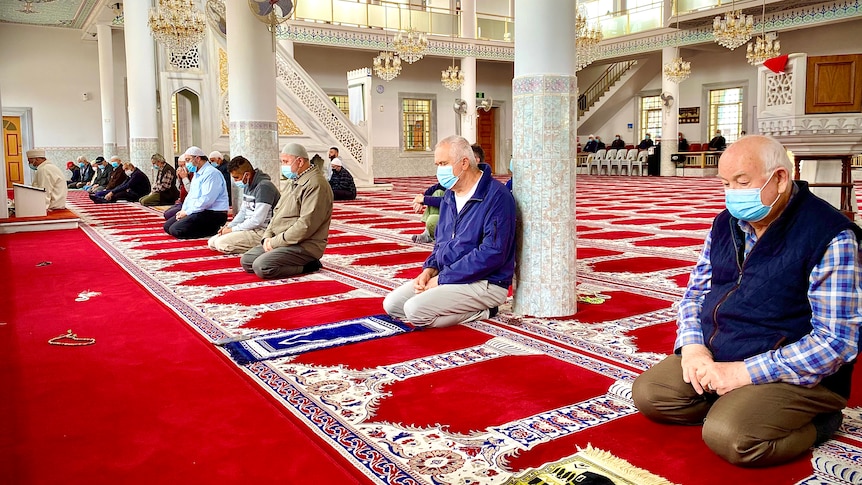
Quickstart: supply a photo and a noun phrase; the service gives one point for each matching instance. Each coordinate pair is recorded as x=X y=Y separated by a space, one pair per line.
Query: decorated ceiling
x=70 y=14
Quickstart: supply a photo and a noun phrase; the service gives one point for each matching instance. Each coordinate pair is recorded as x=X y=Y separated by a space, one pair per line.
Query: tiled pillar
x=670 y=116
x=141 y=81
x=545 y=145
x=106 y=86
x=251 y=90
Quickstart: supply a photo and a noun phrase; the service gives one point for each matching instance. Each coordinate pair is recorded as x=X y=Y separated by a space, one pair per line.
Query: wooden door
x=14 y=157
x=485 y=129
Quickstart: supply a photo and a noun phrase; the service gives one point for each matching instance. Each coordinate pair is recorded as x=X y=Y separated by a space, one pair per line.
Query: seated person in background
x=49 y=177
x=768 y=328
x=682 y=143
x=429 y=205
x=164 y=191
x=325 y=166
x=118 y=177
x=600 y=145
x=94 y=172
x=469 y=271
x=103 y=174
x=217 y=160
x=135 y=187
x=591 y=146
x=718 y=142
x=184 y=180
x=85 y=173
x=618 y=143
x=645 y=143
x=76 y=174
x=341 y=182
x=259 y=196
x=204 y=211
x=295 y=239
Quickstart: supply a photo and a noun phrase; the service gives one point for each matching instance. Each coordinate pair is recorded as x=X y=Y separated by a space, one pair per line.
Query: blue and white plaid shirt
x=834 y=292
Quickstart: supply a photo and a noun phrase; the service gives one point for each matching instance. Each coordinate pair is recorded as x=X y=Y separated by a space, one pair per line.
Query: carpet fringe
x=622 y=467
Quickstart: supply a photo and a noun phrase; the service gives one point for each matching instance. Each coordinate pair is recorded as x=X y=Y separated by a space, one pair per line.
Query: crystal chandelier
x=387 y=65
x=765 y=46
x=452 y=78
x=177 y=25
x=734 y=29
x=410 y=47
x=586 y=43
x=677 y=70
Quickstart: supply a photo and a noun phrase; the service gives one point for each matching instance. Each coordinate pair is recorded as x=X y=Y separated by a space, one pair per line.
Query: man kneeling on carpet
x=295 y=239
x=259 y=196
x=205 y=209
x=468 y=273
x=768 y=328
x=136 y=185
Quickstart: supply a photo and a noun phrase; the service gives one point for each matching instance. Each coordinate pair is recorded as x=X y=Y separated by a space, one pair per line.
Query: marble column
x=544 y=93
x=670 y=116
x=468 y=65
x=252 y=90
x=141 y=82
x=106 y=86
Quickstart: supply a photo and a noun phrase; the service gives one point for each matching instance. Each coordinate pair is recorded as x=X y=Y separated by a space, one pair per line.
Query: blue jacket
x=137 y=184
x=479 y=242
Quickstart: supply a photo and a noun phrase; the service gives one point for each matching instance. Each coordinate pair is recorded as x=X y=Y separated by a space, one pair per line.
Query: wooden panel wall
x=834 y=84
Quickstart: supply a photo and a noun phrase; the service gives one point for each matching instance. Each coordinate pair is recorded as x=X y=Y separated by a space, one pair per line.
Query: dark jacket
x=228 y=182
x=137 y=186
x=342 y=182
x=749 y=310
x=617 y=144
x=104 y=175
x=431 y=200
x=86 y=174
x=591 y=146
x=477 y=243
x=118 y=176
x=717 y=143
x=682 y=145
x=645 y=143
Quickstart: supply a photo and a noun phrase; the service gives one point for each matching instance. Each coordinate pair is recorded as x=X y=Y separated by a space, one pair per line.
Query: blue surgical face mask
x=512 y=165
x=745 y=204
x=80 y=164
x=191 y=168
x=115 y=164
x=446 y=176
x=214 y=164
x=32 y=167
x=287 y=172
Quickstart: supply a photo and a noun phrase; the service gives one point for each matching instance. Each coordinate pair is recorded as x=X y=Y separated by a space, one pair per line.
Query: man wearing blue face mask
x=768 y=328
x=468 y=273
x=204 y=210
x=295 y=239
x=259 y=196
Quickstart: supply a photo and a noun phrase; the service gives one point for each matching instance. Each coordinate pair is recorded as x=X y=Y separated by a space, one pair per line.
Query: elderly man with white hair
x=768 y=328
x=295 y=239
x=48 y=177
x=204 y=211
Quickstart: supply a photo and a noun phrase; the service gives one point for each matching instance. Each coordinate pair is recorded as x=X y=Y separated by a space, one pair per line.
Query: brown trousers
x=755 y=425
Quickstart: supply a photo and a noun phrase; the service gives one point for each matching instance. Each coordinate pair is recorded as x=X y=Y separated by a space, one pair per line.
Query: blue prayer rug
x=292 y=342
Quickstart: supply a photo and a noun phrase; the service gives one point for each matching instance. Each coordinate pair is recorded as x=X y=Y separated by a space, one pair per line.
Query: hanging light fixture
x=453 y=78
x=177 y=25
x=412 y=46
x=387 y=65
x=587 y=40
x=677 y=70
x=765 y=46
x=734 y=29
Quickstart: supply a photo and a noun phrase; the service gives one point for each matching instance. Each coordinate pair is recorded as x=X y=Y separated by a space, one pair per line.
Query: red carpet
x=149 y=402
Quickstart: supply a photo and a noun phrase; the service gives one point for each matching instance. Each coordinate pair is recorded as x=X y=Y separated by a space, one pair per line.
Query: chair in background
x=695 y=147
x=619 y=161
x=605 y=162
x=631 y=157
x=596 y=161
x=641 y=163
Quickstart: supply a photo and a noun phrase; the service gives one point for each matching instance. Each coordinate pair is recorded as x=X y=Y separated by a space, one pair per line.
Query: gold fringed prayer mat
x=589 y=466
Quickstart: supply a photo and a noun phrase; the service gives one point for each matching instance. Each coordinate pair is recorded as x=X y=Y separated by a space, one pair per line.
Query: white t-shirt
x=460 y=201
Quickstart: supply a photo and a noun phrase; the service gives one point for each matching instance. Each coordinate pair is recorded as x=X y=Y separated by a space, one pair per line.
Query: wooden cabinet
x=834 y=84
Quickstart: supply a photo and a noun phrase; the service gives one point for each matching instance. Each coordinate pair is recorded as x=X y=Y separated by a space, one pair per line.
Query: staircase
x=620 y=82
x=606 y=81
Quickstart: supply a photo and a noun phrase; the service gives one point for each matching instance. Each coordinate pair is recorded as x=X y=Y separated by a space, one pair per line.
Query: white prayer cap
x=195 y=152
x=296 y=150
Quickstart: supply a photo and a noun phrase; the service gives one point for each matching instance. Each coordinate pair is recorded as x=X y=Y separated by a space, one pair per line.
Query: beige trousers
x=236 y=242
x=755 y=425
x=444 y=305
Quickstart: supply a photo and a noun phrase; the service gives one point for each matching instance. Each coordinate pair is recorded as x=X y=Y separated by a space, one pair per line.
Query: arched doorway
x=185 y=120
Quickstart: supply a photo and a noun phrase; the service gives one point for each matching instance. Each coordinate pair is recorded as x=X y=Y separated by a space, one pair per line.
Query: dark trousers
x=343 y=195
x=172 y=211
x=200 y=224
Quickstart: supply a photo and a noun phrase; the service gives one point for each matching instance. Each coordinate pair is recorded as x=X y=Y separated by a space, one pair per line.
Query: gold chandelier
x=677 y=70
x=734 y=29
x=452 y=78
x=387 y=66
x=586 y=43
x=177 y=25
x=410 y=47
x=765 y=46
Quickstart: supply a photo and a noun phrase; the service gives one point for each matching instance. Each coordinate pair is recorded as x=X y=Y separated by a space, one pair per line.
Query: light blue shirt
x=207 y=192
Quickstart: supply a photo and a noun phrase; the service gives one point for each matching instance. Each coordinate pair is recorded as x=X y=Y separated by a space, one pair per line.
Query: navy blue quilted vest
x=760 y=303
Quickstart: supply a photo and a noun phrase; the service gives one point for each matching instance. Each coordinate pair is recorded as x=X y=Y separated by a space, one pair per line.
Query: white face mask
x=129 y=173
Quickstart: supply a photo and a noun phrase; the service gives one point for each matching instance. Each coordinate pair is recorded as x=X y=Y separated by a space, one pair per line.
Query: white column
x=468 y=65
x=106 y=85
x=4 y=194
x=670 y=116
x=141 y=82
x=251 y=89
x=545 y=143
